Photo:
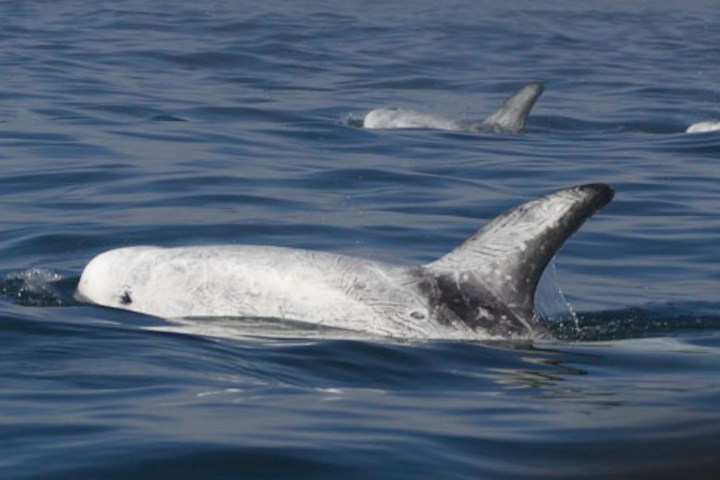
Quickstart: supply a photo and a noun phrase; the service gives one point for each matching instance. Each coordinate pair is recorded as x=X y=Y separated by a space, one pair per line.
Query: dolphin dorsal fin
x=513 y=114
x=508 y=255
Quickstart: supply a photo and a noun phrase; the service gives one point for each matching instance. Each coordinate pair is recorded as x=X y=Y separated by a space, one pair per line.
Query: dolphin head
x=116 y=278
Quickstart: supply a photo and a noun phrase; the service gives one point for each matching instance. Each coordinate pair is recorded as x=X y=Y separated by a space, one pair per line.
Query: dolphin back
x=508 y=256
x=513 y=114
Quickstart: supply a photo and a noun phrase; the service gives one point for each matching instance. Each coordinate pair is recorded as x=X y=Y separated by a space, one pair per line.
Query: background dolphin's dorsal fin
x=510 y=253
x=512 y=115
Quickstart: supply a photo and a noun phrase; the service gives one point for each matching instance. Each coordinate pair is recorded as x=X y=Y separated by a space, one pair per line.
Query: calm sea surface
x=189 y=123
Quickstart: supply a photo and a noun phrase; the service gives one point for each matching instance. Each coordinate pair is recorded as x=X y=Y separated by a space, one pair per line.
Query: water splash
x=550 y=301
x=39 y=287
x=354 y=120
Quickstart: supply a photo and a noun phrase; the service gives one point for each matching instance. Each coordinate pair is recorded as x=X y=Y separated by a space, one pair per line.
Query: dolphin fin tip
x=602 y=193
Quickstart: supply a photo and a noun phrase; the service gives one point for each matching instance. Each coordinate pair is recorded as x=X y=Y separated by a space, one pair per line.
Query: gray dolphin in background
x=509 y=118
x=482 y=289
x=704 y=127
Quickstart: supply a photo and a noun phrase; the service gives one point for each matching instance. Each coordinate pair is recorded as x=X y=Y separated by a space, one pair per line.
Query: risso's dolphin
x=702 y=127
x=509 y=118
x=482 y=289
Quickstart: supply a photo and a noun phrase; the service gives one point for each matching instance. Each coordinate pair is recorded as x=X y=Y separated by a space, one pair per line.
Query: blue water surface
x=190 y=123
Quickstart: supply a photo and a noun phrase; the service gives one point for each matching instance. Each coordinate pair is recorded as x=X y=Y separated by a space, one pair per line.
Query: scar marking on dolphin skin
x=126 y=299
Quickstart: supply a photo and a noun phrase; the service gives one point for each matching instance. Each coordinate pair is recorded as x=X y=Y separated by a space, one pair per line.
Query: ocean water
x=190 y=123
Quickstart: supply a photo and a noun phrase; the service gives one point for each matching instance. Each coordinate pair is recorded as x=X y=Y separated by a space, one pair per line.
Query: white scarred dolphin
x=483 y=288
x=509 y=118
